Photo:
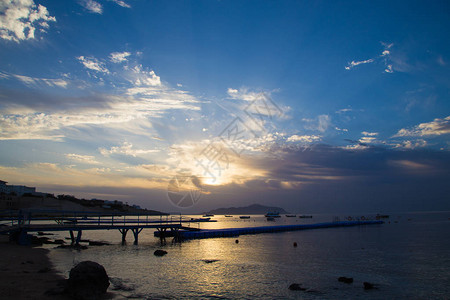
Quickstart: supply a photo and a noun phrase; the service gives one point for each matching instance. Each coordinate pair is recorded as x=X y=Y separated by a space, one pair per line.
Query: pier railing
x=38 y=216
x=24 y=221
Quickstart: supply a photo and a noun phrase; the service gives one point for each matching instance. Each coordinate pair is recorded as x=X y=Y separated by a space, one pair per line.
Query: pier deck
x=232 y=232
x=19 y=224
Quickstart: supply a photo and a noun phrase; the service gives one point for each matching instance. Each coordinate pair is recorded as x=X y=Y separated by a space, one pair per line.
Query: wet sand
x=26 y=272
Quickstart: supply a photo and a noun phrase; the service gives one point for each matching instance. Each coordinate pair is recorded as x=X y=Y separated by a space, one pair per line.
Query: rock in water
x=87 y=281
x=160 y=252
x=345 y=279
x=296 y=287
x=95 y=243
x=368 y=285
x=118 y=284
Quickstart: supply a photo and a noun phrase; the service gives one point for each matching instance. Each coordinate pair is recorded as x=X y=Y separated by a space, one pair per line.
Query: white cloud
x=128 y=109
x=121 y=3
x=368 y=137
x=34 y=81
x=386 y=45
x=93 y=64
x=344 y=110
x=367 y=140
x=303 y=138
x=324 y=123
x=256 y=108
x=25 y=79
x=4 y=75
x=126 y=149
x=92 y=6
x=358 y=146
x=86 y=159
x=141 y=78
x=130 y=115
x=51 y=126
x=369 y=133
x=384 y=55
x=321 y=123
x=411 y=144
x=356 y=63
x=389 y=69
x=19 y=19
x=348 y=110
x=433 y=128
x=118 y=57
x=246 y=94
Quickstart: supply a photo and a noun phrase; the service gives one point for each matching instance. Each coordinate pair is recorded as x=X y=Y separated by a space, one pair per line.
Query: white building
x=19 y=190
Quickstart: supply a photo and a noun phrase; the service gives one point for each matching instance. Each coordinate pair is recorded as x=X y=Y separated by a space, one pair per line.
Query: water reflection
x=406 y=259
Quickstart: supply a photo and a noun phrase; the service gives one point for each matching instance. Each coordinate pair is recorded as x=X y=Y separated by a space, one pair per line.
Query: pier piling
x=124 y=235
x=136 y=232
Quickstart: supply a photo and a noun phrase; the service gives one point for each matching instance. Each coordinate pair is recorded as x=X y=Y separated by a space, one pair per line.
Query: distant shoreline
x=26 y=272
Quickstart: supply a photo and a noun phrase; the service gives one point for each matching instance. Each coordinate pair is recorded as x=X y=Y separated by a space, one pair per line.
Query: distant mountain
x=254 y=209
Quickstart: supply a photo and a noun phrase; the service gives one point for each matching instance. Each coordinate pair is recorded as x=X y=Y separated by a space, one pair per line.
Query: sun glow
x=213 y=181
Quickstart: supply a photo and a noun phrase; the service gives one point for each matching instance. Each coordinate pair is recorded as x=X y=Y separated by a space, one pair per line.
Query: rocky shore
x=26 y=272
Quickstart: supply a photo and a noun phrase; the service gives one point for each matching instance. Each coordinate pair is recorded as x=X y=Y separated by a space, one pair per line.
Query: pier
x=233 y=232
x=19 y=224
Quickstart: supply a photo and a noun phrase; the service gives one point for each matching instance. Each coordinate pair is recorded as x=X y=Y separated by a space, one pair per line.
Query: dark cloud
x=332 y=179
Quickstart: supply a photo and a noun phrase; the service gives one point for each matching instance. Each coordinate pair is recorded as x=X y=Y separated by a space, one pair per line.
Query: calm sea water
x=408 y=257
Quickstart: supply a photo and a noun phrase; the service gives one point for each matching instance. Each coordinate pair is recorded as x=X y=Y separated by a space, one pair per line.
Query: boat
x=208 y=215
x=291 y=216
x=244 y=217
x=378 y=217
x=305 y=216
x=227 y=216
x=200 y=219
x=270 y=219
x=272 y=214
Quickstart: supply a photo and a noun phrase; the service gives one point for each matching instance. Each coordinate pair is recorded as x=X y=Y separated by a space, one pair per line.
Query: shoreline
x=26 y=272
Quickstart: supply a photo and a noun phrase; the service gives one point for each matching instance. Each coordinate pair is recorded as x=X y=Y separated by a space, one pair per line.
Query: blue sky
x=341 y=105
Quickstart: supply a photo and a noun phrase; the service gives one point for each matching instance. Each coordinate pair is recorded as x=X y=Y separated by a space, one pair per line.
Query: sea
x=406 y=257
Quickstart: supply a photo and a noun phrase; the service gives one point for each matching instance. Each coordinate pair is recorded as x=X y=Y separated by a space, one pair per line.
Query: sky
x=186 y=106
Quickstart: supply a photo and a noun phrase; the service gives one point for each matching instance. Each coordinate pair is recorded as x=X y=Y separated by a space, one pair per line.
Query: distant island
x=254 y=209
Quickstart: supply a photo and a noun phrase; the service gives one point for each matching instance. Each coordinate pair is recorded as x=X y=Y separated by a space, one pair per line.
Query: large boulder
x=87 y=281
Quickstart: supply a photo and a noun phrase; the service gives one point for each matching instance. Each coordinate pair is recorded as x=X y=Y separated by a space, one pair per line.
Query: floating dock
x=233 y=232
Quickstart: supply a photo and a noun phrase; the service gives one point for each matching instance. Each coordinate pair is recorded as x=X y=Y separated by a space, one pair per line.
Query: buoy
x=295 y=244
x=237 y=241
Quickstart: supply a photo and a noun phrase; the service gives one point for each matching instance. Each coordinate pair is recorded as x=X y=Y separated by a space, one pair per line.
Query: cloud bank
x=19 y=20
x=433 y=128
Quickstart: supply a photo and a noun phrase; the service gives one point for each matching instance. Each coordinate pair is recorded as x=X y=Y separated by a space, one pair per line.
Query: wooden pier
x=19 y=224
x=232 y=232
